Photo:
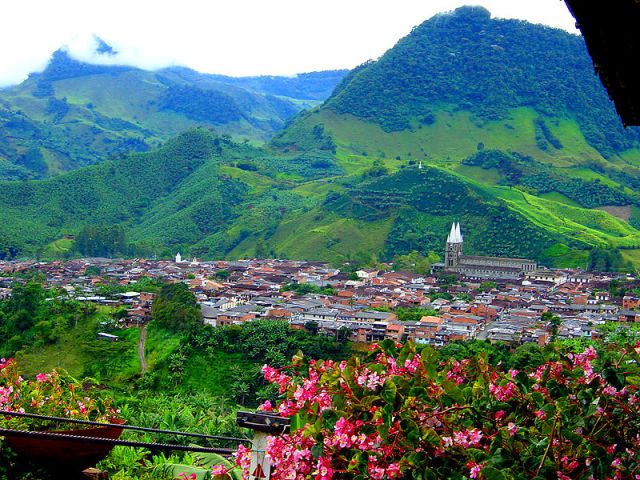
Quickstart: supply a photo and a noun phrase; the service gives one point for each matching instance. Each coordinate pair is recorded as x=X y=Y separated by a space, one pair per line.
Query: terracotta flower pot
x=61 y=454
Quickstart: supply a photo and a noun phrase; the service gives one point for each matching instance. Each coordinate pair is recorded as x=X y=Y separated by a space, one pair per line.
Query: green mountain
x=75 y=114
x=510 y=107
x=498 y=124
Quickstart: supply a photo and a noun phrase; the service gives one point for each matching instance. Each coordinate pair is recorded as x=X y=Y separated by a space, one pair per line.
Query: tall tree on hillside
x=175 y=308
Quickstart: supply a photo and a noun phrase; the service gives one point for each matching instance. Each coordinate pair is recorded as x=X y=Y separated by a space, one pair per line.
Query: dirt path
x=141 y=344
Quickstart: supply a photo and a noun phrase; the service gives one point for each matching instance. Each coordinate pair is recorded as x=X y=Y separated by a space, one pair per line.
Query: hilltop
x=75 y=114
x=498 y=124
x=512 y=108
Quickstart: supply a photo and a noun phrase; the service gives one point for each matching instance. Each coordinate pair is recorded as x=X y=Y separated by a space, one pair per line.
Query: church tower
x=453 y=247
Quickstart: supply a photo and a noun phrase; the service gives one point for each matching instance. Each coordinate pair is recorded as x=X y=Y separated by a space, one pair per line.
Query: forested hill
x=485 y=66
x=498 y=124
x=507 y=106
x=75 y=114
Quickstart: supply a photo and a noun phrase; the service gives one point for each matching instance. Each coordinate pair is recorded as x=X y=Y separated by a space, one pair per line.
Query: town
x=365 y=305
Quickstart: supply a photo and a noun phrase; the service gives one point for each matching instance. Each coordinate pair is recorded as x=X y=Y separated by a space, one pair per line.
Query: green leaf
x=411 y=431
x=490 y=473
x=329 y=419
x=389 y=391
x=316 y=451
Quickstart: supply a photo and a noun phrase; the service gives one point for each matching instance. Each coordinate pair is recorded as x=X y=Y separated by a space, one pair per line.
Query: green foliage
x=487 y=66
x=144 y=284
x=413 y=314
x=304 y=288
x=223 y=274
x=544 y=136
x=101 y=241
x=70 y=119
x=414 y=261
x=197 y=104
x=33 y=160
x=605 y=260
x=316 y=139
x=8 y=249
x=175 y=308
x=268 y=341
x=522 y=170
x=36 y=316
x=424 y=204
x=487 y=286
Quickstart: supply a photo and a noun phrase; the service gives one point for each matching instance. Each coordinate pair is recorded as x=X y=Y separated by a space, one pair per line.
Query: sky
x=232 y=37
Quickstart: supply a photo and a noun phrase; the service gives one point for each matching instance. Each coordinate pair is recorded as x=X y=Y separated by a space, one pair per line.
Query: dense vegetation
x=198 y=376
x=34 y=317
x=513 y=161
x=406 y=412
x=424 y=202
x=175 y=308
x=541 y=178
x=68 y=121
x=472 y=62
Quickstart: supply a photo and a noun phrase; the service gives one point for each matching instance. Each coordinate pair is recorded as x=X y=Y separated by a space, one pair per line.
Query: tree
x=554 y=323
x=487 y=286
x=415 y=262
x=101 y=241
x=223 y=274
x=312 y=327
x=175 y=308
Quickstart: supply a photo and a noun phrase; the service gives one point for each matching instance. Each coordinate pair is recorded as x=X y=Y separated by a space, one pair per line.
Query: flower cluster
x=577 y=416
x=52 y=394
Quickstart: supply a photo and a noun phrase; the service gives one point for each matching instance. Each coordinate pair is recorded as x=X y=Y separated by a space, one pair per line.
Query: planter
x=65 y=454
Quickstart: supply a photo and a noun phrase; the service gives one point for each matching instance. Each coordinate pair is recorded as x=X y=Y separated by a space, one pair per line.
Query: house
x=107 y=336
x=630 y=303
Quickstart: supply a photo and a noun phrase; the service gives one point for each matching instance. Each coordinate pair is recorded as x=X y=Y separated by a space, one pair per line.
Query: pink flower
x=474 y=468
x=243 y=457
x=512 y=428
x=393 y=470
x=184 y=476
x=219 y=470
x=541 y=415
x=42 y=377
x=266 y=407
x=325 y=472
x=503 y=393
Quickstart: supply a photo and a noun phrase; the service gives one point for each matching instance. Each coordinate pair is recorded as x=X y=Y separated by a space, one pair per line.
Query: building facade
x=481 y=267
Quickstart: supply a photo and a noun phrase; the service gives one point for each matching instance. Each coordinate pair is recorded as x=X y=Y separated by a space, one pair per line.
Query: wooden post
x=263 y=424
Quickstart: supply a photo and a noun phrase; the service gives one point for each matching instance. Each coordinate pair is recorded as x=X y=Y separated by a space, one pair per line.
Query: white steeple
x=178 y=258
x=458 y=233
x=455 y=236
x=452 y=235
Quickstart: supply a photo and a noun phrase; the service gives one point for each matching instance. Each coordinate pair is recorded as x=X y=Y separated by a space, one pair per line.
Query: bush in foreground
x=401 y=413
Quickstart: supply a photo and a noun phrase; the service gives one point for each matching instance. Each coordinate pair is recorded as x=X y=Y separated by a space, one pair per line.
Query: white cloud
x=239 y=37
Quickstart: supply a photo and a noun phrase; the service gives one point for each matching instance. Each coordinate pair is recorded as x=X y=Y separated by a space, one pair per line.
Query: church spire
x=452 y=235
x=458 y=233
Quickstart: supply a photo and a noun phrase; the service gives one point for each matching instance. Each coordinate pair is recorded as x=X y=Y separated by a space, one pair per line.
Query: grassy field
x=454 y=136
x=213 y=372
x=81 y=354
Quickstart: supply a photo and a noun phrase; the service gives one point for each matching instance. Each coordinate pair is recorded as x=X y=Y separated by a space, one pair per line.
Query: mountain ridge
x=543 y=178
x=75 y=113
